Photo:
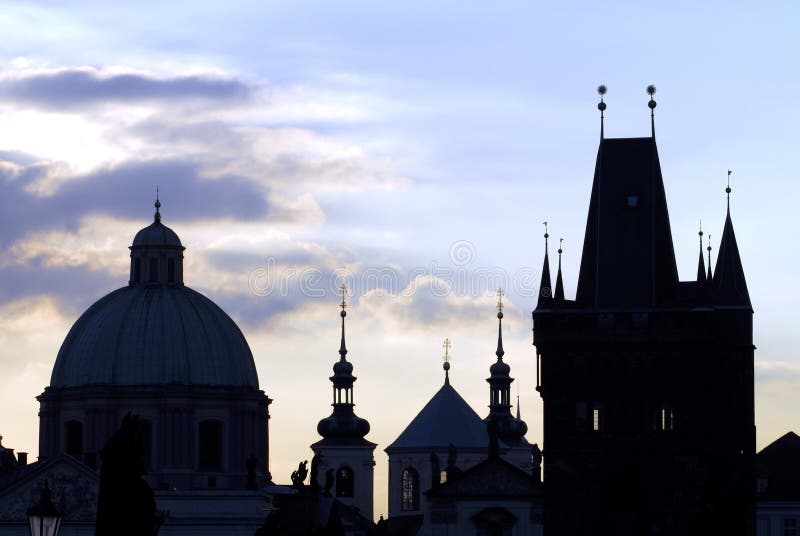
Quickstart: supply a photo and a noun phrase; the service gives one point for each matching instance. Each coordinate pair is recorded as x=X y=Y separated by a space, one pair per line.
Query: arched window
x=210 y=446
x=664 y=419
x=409 y=500
x=171 y=270
x=137 y=270
x=74 y=439
x=344 y=482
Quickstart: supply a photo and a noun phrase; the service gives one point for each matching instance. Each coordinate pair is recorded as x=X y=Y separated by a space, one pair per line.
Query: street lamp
x=43 y=517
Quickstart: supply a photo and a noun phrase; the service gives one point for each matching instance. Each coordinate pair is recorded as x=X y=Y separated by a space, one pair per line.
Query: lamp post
x=43 y=517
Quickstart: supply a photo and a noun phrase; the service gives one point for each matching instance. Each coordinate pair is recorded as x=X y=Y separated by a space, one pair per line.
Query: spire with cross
x=446 y=366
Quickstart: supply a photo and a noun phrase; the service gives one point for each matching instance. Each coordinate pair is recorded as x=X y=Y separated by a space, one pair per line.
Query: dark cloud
x=73 y=288
x=125 y=191
x=81 y=87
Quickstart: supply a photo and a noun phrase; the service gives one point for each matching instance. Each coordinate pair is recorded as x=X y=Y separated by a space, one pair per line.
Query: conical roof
x=445 y=419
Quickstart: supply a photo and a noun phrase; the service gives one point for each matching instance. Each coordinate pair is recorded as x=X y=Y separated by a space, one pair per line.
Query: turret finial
x=157 y=204
x=446 y=366
x=500 y=353
x=728 y=189
x=559 y=295
x=708 y=275
x=546 y=234
x=343 y=305
x=651 y=90
x=601 y=90
x=701 y=269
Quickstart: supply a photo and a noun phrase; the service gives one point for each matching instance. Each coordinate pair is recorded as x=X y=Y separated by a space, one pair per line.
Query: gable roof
x=445 y=419
x=777 y=463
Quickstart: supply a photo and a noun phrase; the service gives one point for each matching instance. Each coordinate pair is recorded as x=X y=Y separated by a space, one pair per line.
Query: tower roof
x=445 y=419
x=628 y=259
x=730 y=287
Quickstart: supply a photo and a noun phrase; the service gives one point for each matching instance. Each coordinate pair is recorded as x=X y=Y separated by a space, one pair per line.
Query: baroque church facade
x=646 y=382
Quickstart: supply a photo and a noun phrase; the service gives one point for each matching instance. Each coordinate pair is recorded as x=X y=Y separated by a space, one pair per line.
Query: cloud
x=125 y=191
x=77 y=87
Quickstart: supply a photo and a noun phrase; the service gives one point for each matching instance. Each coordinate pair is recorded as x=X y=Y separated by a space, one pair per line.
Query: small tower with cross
x=343 y=448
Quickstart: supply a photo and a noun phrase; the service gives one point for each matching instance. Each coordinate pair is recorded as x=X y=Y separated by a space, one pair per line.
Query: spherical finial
x=651 y=90
x=343 y=313
x=601 y=106
x=601 y=90
x=728 y=190
x=157 y=204
x=500 y=315
x=446 y=366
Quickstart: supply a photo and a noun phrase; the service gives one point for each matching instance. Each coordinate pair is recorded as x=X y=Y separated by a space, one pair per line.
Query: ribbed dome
x=156 y=234
x=154 y=335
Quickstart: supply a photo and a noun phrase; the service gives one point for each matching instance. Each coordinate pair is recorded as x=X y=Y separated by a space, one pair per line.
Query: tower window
x=153 y=269
x=74 y=443
x=665 y=419
x=409 y=500
x=790 y=526
x=344 y=482
x=171 y=270
x=597 y=417
x=137 y=270
x=210 y=451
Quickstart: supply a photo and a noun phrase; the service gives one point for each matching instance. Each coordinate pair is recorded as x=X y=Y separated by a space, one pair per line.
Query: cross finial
x=157 y=204
x=728 y=188
x=500 y=300
x=343 y=305
x=446 y=366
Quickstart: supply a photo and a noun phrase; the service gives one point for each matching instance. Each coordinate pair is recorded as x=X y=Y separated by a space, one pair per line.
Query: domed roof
x=156 y=234
x=154 y=335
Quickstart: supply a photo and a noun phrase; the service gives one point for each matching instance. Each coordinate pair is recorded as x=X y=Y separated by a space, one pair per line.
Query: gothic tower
x=343 y=450
x=646 y=381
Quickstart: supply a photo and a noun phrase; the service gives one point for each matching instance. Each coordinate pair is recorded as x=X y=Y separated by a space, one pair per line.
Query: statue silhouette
x=299 y=476
x=125 y=505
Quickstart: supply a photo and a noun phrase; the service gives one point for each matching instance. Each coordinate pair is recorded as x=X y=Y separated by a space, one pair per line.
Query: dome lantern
x=156 y=254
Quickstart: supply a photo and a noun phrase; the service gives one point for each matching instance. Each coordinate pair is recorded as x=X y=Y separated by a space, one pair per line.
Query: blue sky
x=377 y=138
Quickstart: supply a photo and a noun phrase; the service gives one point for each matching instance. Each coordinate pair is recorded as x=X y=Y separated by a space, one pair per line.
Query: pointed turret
x=701 y=267
x=545 y=287
x=510 y=430
x=559 y=279
x=730 y=287
x=709 y=277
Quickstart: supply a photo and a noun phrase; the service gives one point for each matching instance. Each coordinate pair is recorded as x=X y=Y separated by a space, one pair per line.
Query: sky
x=410 y=150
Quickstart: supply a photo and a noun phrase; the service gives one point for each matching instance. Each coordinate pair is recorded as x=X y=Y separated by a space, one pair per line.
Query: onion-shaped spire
x=343 y=424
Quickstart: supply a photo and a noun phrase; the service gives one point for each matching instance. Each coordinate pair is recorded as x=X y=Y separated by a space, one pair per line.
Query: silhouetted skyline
x=378 y=137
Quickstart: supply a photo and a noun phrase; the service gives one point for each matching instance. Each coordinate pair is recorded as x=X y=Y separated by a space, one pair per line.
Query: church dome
x=155 y=331
x=154 y=335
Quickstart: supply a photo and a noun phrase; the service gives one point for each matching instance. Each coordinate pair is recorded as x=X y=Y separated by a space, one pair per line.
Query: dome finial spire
x=500 y=351
x=343 y=305
x=157 y=204
x=701 y=269
x=446 y=366
x=601 y=90
x=651 y=90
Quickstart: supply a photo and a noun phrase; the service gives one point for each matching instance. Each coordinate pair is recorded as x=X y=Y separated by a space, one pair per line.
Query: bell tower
x=346 y=459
